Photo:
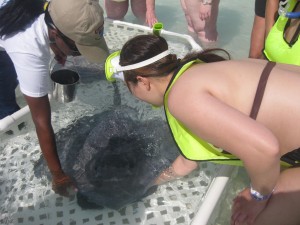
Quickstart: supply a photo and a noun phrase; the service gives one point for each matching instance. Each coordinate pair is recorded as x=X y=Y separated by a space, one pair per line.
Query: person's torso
x=191 y=146
x=235 y=83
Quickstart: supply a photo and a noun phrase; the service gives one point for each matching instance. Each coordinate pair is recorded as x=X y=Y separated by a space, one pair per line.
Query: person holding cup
x=29 y=29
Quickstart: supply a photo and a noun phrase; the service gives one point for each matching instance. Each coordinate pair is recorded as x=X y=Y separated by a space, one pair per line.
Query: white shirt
x=30 y=52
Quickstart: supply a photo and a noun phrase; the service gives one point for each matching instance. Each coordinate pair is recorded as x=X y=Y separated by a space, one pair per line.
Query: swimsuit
x=261 y=89
x=292 y=157
x=260 y=8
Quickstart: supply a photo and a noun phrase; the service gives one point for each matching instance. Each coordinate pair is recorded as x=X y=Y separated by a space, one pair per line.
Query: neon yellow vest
x=276 y=48
x=191 y=146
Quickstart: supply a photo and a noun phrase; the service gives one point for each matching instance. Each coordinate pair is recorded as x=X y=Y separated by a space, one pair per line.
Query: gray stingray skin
x=113 y=158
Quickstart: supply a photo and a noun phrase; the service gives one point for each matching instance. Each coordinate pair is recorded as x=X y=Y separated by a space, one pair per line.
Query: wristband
x=258 y=196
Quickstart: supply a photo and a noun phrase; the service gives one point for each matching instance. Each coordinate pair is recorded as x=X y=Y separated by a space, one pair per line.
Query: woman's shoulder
x=32 y=41
x=228 y=66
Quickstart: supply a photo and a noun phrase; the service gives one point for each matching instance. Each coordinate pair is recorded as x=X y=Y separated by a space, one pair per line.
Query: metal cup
x=65 y=81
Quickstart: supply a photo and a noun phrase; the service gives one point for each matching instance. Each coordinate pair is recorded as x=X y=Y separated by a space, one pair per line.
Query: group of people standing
x=201 y=16
x=218 y=109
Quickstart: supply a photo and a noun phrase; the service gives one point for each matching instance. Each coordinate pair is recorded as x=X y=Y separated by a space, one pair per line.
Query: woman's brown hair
x=144 y=47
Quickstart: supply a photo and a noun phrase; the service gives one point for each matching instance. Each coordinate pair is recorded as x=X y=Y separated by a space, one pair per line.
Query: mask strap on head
x=48 y=19
x=46 y=5
x=145 y=62
x=113 y=69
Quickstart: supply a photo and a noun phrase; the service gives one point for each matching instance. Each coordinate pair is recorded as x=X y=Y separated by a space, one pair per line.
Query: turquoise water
x=234 y=23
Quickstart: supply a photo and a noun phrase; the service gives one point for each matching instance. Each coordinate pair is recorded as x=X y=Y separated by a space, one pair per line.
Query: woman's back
x=235 y=83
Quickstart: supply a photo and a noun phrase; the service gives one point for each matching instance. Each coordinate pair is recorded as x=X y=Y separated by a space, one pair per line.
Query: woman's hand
x=245 y=209
x=150 y=18
x=62 y=184
x=205 y=11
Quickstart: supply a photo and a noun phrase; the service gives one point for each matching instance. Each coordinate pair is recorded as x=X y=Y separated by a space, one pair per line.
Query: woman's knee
x=116 y=9
x=139 y=9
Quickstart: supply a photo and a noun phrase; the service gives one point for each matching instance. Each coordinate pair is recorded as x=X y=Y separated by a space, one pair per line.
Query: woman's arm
x=283 y=207
x=226 y=127
x=41 y=115
x=150 y=17
x=270 y=14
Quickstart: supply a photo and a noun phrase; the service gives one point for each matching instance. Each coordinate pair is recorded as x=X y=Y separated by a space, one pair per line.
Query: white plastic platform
x=25 y=199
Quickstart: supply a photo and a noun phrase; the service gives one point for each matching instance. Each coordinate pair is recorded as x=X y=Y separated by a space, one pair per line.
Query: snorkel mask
x=114 y=71
x=283 y=10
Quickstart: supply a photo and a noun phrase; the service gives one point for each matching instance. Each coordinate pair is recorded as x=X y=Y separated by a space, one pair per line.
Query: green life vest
x=191 y=146
x=276 y=48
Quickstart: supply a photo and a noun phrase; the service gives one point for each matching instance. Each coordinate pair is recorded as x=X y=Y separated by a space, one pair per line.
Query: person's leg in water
x=209 y=37
x=144 y=11
x=258 y=31
x=188 y=20
x=139 y=9
x=8 y=84
x=116 y=9
x=202 y=21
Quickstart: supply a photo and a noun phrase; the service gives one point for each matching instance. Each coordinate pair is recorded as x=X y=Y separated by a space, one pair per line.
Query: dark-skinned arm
x=41 y=116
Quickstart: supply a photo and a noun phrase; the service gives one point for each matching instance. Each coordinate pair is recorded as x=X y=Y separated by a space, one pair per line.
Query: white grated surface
x=116 y=33
x=26 y=199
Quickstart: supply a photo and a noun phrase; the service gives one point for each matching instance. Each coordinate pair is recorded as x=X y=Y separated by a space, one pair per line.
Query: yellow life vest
x=191 y=146
x=276 y=48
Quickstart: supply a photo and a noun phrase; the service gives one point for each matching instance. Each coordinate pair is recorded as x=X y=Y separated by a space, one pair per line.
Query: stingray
x=113 y=157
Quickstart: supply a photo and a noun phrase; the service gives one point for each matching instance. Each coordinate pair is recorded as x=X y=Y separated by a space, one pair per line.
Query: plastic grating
x=116 y=33
x=26 y=199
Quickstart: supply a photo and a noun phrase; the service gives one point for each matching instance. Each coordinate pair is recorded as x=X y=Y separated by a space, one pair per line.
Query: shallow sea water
x=234 y=23
x=26 y=199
